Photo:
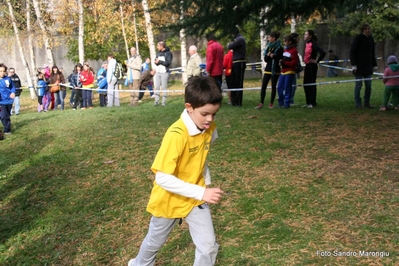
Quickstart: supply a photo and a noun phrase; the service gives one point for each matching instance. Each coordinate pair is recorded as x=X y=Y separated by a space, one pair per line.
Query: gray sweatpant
x=161 y=81
x=113 y=93
x=202 y=233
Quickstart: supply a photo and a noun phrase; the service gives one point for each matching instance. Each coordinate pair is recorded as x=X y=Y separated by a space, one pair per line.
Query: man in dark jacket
x=17 y=85
x=162 y=61
x=239 y=64
x=363 y=61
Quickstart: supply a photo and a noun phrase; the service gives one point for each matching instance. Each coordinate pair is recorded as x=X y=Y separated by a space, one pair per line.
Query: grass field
x=304 y=186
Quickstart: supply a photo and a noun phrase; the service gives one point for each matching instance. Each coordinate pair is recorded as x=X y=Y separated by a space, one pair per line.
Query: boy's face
x=3 y=72
x=204 y=115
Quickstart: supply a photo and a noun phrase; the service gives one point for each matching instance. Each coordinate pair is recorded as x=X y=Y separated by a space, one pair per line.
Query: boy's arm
x=178 y=186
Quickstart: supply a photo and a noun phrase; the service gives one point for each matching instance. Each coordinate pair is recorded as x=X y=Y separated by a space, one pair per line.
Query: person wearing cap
x=363 y=61
x=391 y=81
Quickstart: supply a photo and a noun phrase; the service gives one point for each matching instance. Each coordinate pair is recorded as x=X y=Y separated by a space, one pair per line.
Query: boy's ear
x=189 y=107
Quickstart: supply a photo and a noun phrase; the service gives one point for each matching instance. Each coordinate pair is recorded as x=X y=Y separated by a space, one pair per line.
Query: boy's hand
x=212 y=195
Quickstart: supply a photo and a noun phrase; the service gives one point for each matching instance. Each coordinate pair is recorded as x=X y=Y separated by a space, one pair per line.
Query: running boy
x=181 y=188
x=7 y=95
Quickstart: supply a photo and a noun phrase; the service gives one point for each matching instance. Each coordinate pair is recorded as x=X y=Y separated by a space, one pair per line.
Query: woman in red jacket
x=87 y=79
x=288 y=66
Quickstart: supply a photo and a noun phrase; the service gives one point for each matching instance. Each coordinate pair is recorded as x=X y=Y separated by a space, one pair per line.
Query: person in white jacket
x=112 y=89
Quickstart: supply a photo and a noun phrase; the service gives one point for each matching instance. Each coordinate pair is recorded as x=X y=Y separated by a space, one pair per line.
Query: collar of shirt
x=194 y=55
x=189 y=123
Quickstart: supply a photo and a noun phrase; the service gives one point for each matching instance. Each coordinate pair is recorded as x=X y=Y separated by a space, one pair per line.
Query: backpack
x=118 y=73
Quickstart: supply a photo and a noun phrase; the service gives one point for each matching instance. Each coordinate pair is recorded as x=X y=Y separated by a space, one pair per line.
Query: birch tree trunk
x=293 y=23
x=31 y=51
x=183 y=48
x=45 y=32
x=20 y=48
x=123 y=30
x=263 y=35
x=150 y=34
x=135 y=27
x=81 y=34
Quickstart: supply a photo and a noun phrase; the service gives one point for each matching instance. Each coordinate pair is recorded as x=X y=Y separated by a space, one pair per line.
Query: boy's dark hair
x=202 y=90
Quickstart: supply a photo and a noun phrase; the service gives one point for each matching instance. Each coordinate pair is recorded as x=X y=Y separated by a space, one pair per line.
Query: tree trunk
x=293 y=23
x=32 y=67
x=123 y=30
x=183 y=49
x=150 y=34
x=81 y=36
x=45 y=32
x=263 y=35
x=135 y=27
x=20 y=48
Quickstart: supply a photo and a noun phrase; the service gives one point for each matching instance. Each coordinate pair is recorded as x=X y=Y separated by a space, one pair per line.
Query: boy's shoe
x=368 y=106
x=131 y=262
x=259 y=106
x=310 y=106
x=271 y=106
x=7 y=133
x=91 y=107
x=140 y=101
x=383 y=108
x=84 y=108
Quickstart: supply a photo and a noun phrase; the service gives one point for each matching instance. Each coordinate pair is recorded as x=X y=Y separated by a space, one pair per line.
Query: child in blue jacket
x=41 y=91
x=7 y=95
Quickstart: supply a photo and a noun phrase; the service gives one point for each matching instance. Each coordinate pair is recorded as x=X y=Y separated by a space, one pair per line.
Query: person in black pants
x=312 y=49
x=239 y=64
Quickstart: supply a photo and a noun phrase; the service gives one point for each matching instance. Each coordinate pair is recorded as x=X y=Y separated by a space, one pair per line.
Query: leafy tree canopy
x=222 y=15
x=382 y=15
